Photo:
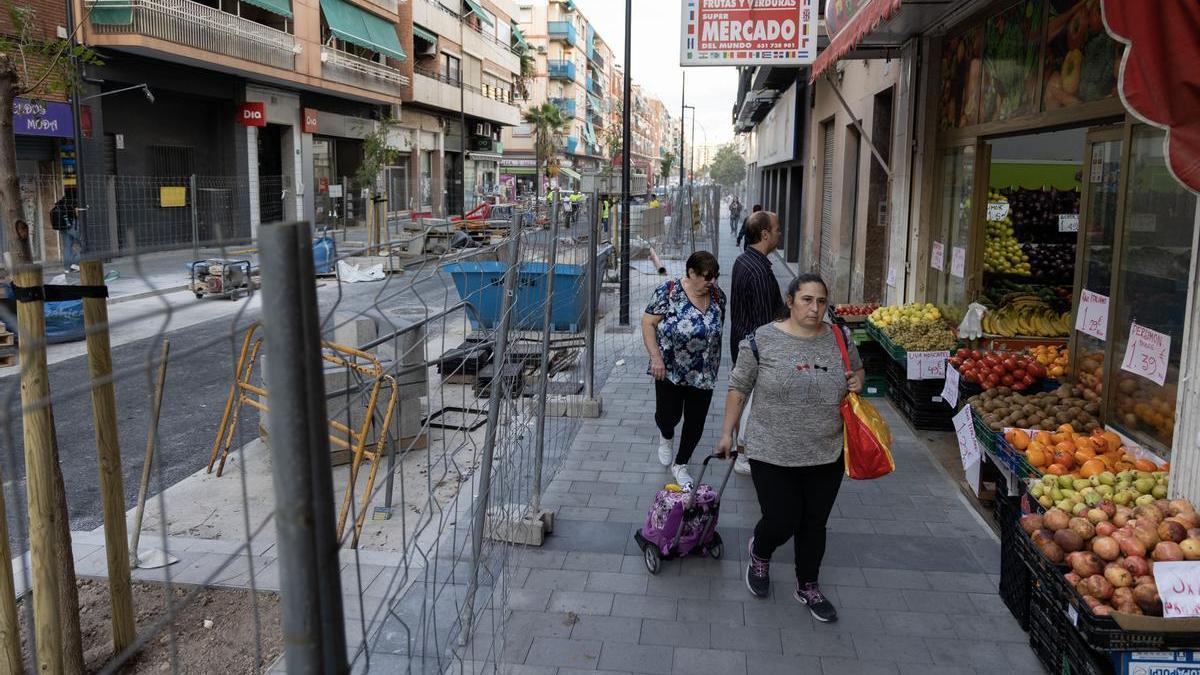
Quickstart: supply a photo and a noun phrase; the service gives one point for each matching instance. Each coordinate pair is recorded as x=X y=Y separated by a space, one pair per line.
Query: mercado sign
x=748 y=32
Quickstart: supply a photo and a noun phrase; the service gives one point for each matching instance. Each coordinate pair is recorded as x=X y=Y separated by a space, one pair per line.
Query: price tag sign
x=1091 y=318
x=335 y=190
x=891 y=278
x=997 y=210
x=1097 y=167
x=1179 y=587
x=937 y=258
x=1146 y=354
x=968 y=445
x=927 y=365
x=950 y=390
x=958 y=261
x=1068 y=222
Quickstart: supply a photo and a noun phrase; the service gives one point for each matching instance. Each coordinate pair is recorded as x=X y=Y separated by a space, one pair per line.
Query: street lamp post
x=625 y=164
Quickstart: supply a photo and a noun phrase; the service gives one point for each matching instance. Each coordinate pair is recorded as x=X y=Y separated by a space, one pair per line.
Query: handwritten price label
x=1179 y=587
x=891 y=278
x=997 y=210
x=968 y=444
x=1147 y=353
x=927 y=365
x=1092 y=316
x=1068 y=222
x=950 y=389
x=937 y=258
x=958 y=261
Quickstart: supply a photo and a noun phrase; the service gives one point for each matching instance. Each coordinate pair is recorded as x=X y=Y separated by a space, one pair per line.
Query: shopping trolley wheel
x=716 y=548
x=652 y=558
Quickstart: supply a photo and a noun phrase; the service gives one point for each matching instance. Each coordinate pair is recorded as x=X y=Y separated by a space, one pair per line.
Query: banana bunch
x=1027 y=315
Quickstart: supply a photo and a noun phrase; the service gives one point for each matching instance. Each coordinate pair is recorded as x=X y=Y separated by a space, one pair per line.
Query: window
x=397 y=185
x=526 y=15
x=522 y=130
x=169 y=160
x=451 y=69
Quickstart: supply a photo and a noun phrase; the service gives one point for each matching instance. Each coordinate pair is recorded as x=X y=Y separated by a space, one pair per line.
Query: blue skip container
x=482 y=284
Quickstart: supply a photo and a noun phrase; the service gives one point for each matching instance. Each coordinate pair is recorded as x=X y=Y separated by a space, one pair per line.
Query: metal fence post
x=544 y=366
x=195 y=221
x=593 y=247
x=479 y=518
x=313 y=629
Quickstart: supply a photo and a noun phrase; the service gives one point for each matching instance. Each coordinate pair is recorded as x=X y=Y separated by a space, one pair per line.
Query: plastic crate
x=1080 y=659
x=1102 y=633
x=1016 y=580
x=895 y=351
x=1045 y=629
x=875 y=386
x=920 y=418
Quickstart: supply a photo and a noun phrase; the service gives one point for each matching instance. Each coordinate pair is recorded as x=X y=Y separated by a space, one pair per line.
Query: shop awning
x=478 y=10
x=519 y=36
x=425 y=35
x=1160 y=75
x=111 y=13
x=569 y=172
x=281 y=7
x=518 y=170
x=362 y=28
x=847 y=25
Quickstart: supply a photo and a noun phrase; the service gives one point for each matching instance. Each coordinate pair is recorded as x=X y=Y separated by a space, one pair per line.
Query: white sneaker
x=666 y=451
x=682 y=478
x=741 y=465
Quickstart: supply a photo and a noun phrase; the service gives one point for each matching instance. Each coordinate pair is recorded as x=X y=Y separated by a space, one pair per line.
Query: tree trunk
x=20 y=251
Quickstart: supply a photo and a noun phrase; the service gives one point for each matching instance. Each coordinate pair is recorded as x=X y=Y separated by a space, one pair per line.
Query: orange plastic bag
x=868 y=440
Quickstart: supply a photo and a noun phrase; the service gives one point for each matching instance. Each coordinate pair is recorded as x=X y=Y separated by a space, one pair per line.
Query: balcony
x=566 y=105
x=568 y=5
x=572 y=145
x=561 y=69
x=562 y=30
x=593 y=86
x=435 y=90
x=192 y=24
x=350 y=69
x=595 y=57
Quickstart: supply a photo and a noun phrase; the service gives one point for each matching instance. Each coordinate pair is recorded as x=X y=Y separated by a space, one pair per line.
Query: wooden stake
x=150 y=443
x=37 y=425
x=10 y=635
x=108 y=449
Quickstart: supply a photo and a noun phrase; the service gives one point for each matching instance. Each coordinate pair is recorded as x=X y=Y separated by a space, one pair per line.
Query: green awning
x=479 y=12
x=518 y=170
x=362 y=28
x=111 y=13
x=424 y=34
x=570 y=172
x=281 y=7
x=519 y=36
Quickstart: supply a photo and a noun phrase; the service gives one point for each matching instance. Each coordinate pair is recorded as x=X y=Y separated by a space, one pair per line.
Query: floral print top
x=690 y=340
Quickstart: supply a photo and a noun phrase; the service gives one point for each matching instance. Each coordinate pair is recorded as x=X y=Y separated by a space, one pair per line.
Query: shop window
x=946 y=285
x=169 y=160
x=426 y=185
x=1152 y=288
x=397 y=185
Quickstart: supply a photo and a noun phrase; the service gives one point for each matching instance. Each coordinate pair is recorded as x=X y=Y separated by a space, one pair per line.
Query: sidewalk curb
x=146 y=294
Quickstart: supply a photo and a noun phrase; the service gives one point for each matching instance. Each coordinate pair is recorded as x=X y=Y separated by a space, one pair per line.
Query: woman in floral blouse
x=682 y=333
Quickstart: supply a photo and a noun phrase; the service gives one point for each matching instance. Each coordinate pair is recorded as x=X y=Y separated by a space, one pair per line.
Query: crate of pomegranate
x=1112 y=563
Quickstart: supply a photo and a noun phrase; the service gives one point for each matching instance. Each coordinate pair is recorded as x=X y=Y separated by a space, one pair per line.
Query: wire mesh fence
x=355 y=462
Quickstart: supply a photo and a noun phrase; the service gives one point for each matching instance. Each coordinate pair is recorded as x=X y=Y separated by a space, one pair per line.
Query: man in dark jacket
x=742 y=230
x=755 y=299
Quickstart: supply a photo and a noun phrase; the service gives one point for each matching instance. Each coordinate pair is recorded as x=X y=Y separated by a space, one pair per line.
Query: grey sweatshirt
x=798 y=384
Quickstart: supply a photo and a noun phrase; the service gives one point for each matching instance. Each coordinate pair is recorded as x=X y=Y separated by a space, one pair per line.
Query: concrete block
x=574 y=406
x=508 y=522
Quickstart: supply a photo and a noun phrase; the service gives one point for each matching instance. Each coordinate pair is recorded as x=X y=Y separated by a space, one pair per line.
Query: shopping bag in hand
x=868 y=439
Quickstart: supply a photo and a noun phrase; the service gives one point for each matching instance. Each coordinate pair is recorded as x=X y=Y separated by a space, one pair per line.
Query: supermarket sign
x=748 y=32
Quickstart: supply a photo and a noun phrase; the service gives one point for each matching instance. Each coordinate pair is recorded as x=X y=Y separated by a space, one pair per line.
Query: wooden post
x=108 y=448
x=37 y=425
x=10 y=635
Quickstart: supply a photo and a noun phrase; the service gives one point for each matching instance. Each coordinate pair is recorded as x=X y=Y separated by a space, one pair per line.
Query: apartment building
x=574 y=68
x=466 y=59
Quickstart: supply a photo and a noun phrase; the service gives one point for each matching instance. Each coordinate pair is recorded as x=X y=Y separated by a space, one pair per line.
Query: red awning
x=845 y=35
x=1160 y=74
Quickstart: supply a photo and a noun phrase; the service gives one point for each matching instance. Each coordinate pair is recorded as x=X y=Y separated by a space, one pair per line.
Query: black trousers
x=795 y=503
x=672 y=401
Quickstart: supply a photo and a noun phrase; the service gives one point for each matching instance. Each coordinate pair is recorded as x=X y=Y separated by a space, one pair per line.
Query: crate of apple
x=989 y=370
x=849 y=311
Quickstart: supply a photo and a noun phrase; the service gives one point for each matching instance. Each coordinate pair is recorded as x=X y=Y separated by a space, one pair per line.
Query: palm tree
x=548 y=124
x=527 y=73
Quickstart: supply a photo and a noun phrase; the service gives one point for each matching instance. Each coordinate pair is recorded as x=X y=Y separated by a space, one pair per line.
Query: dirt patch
x=227 y=646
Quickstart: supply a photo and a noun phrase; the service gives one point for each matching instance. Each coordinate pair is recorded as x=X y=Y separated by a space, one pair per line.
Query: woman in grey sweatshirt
x=794 y=436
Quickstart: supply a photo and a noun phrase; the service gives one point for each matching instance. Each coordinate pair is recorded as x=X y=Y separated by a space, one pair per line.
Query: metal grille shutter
x=827 y=254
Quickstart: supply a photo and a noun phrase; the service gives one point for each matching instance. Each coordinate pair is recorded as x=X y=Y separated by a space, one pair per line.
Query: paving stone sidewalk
x=911 y=567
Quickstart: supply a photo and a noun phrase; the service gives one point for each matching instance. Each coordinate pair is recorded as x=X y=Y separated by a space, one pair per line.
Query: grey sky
x=656 y=62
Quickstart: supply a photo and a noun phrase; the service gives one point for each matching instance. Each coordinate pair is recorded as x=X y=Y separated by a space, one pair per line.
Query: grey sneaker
x=682 y=478
x=741 y=465
x=820 y=606
x=758 y=574
x=666 y=451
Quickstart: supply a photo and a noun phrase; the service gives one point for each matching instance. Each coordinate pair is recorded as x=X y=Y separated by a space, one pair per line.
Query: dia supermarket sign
x=748 y=32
